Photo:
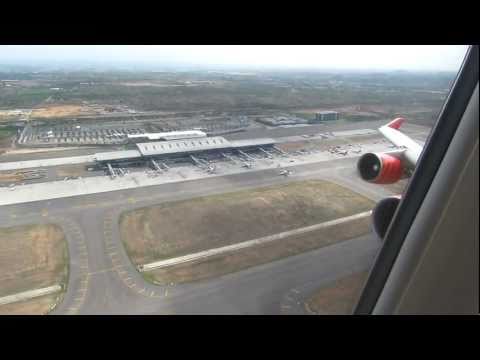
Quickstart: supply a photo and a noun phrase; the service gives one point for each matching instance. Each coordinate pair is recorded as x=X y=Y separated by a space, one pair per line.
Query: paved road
x=103 y=281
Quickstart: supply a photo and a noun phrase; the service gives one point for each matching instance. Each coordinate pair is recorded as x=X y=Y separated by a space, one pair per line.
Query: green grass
x=6 y=133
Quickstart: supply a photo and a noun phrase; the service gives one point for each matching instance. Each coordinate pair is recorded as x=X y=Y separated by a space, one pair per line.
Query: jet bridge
x=203 y=164
x=269 y=155
x=228 y=157
x=155 y=165
x=197 y=161
x=279 y=150
x=246 y=155
x=164 y=166
x=111 y=171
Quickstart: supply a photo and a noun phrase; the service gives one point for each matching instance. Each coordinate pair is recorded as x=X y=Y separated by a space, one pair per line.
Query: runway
x=103 y=281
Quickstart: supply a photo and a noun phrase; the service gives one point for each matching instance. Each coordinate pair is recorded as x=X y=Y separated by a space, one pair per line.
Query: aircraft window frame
x=422 y=177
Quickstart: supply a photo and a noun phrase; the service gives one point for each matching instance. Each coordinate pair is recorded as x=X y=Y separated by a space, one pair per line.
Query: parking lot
x=61 y=135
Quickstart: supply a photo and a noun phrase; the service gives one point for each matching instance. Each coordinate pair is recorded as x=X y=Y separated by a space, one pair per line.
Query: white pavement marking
x=27 y=295
x=246 y=244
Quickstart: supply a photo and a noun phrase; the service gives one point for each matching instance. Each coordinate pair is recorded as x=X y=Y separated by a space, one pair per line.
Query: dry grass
x=71 y=170
x=183 y=227
x=338 y=298
x=61 y=111
x=8 y=177
x=31 y=257
x=6 y=142
x=257 y=255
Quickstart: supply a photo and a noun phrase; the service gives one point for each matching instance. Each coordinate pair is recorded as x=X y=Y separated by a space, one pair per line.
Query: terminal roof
x=184 y=145
x=117 y=155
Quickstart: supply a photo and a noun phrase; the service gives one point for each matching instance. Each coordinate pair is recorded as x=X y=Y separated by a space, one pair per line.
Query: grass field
x=71 y=170
x=32 y=257
x=339 y=297
x=7 y=135
x=8 y=177
x=257 y=255
x=179 y=228
x=306 y=92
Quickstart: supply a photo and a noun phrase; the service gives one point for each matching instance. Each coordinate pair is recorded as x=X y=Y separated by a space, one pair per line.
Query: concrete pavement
x=99 y=184
x=103 y=280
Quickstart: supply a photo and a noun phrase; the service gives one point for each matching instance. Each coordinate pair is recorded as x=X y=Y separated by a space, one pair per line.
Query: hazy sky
x=368 y=57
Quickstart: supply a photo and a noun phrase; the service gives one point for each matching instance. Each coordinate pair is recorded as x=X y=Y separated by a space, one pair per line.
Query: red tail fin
x=396 y=123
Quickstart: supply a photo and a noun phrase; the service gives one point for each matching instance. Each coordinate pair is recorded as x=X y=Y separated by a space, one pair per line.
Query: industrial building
x=326 y=116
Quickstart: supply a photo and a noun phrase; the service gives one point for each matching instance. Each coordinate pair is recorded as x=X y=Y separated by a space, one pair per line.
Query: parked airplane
x=285 y=172
x=388 y=168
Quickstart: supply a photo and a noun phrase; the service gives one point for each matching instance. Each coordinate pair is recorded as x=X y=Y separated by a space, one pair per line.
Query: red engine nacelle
x=380 y=168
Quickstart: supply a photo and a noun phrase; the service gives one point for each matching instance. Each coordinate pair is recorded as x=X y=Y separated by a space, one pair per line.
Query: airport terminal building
x=170 y=135
x=176 y=150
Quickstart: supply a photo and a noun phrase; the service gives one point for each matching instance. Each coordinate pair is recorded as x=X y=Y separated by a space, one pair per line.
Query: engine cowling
x=382 y=215
x=380 y=168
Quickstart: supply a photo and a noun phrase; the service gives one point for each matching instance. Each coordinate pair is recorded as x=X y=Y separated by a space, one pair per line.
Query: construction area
x=175 y=229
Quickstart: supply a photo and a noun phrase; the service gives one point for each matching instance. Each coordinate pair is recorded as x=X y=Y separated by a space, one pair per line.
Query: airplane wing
x=390 y=166
x=412 y=150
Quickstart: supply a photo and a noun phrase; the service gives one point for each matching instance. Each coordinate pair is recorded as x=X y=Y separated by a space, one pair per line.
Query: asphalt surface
x=416 y=132
x=102 y=279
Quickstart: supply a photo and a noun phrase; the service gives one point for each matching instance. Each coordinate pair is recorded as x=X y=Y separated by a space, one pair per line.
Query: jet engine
x=382 y=168
x=382 y=215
